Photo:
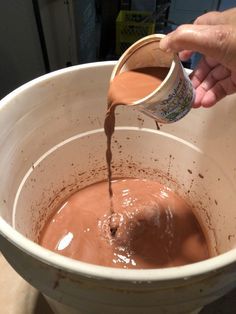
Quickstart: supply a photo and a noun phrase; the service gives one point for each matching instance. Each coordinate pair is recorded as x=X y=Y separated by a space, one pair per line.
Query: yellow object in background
x=131 y=26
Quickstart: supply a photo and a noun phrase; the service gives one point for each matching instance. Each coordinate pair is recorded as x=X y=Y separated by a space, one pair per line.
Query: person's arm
x=214 y=35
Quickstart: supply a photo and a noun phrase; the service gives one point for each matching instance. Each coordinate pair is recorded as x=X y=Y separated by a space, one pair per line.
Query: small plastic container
x=171 y=100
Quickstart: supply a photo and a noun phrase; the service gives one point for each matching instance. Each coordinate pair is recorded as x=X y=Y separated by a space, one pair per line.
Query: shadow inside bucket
x=162 y=237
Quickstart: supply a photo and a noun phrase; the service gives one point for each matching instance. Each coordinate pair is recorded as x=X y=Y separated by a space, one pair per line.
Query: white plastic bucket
x=52 y=143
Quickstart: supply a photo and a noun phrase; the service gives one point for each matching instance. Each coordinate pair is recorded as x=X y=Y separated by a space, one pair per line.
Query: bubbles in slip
x=151 y=227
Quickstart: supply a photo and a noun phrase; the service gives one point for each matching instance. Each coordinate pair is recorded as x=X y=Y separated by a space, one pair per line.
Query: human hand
x=214 y=35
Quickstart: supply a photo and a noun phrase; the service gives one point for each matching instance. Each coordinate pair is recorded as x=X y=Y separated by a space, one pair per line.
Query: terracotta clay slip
x=173 y=99
x=151 y=227
x=63 y=112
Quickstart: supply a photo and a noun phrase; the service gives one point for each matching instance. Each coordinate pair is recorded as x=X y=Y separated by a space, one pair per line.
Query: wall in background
x=182 y=11
x=70 y=31
x=20 y=52
x=59 y=31
x=69 y=28
x=227 y=4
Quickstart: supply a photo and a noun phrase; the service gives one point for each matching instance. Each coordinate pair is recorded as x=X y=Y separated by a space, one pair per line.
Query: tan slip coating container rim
x=129 y=52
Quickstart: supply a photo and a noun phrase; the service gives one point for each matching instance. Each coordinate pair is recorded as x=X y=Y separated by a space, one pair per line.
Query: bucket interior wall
x=81 y=162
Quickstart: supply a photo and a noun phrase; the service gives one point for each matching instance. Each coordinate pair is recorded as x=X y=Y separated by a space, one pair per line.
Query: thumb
x=215 y=41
